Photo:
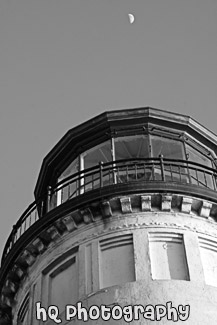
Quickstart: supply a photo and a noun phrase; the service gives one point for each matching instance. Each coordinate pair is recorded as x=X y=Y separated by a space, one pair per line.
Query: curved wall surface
x=156 y=250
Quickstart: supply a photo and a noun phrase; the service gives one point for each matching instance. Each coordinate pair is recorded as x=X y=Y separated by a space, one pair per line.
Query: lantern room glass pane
x=169 y=148
x=196 y=156
x=70 y=170
x=131 y=147
x=68 y=189
x=90 y=158
x=199 y=175
x=100 y=153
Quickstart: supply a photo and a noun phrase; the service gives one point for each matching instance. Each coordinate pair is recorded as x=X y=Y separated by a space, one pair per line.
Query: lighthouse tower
x=123 y=228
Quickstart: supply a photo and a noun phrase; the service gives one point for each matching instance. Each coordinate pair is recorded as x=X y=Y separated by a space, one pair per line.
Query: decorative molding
x=186 y=205
x=146 y=203
x=86 y=215
x=28 y=257
x=106 y=209
x=166 y=202
x=205 y=209
x=53 y=233
x=69 y=223
x=38 y=245
x=126 y=204
x=121 y=207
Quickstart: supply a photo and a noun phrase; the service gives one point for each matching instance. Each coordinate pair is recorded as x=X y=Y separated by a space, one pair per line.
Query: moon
x=131 y=18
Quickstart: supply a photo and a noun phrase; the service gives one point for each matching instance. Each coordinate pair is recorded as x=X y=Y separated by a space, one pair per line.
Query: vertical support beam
x=95 y=266
x=39 y=295
x=35 y=296
x=194 y=261
x=89 y=268
x=141 y=255
x=83 y=274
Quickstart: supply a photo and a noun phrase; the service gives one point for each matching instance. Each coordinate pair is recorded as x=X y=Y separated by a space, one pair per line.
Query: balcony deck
x=117 y=177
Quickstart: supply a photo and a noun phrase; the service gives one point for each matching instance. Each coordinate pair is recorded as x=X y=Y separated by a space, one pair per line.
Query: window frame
x=61 y=263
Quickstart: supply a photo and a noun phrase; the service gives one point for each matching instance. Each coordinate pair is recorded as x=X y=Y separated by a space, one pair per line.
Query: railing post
x=48 y=198
x=189 y=175
x=114 y=175
x=162 y=167
x=13 y=234
x=214 y=181
x=42 y=204
x=100 y=173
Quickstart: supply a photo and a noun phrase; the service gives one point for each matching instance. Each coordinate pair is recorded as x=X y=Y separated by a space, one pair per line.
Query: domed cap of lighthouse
x=129 y=134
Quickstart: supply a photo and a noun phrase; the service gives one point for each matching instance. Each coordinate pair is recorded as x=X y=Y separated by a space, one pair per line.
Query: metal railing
x=114 y=172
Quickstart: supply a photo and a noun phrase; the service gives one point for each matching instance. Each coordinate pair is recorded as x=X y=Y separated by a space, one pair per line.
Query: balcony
x=121 y=176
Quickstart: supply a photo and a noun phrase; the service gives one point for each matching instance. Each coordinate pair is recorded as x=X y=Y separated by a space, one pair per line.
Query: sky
x=63 y=62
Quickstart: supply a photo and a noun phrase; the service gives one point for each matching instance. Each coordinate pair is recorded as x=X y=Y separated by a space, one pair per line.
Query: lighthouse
x=123 y=228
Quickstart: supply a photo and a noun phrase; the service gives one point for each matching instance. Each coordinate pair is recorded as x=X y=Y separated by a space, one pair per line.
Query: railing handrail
x=132 y=160
x=115 y=164
x=38 y=206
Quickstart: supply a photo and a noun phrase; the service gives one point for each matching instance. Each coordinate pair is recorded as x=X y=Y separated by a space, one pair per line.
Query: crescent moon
x=131 y=18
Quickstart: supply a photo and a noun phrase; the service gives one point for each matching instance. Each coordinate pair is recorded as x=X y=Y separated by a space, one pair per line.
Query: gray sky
x=63 y=62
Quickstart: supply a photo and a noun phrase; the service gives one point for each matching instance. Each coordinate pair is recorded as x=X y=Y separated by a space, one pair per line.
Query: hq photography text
x=115 y=312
